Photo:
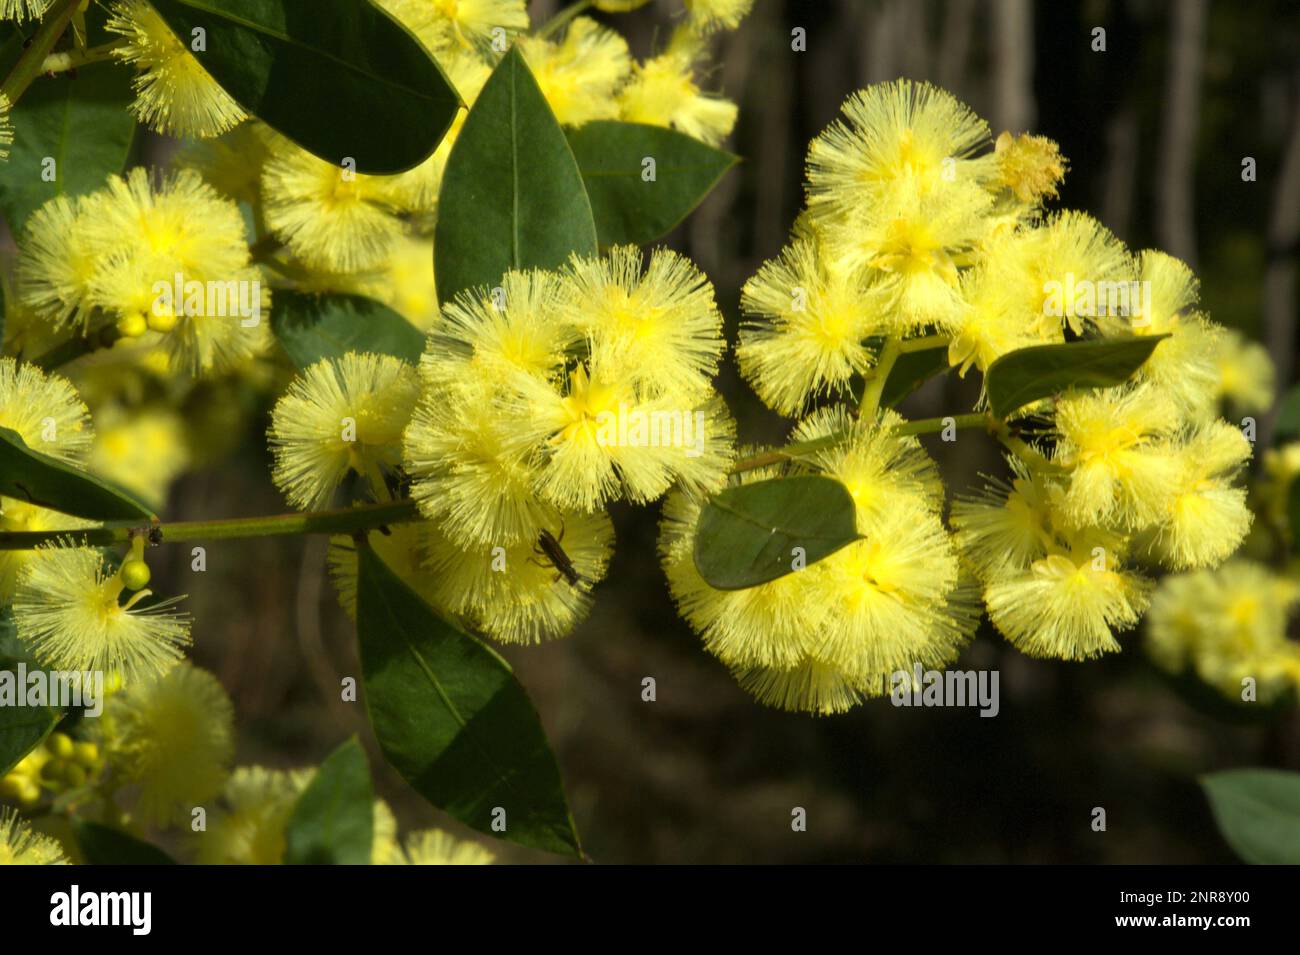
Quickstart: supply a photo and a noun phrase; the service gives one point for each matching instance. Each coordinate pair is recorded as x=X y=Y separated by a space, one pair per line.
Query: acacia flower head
x=808 y=321
x=435 y=847
x=44 y=410
x=19 y=845
x=580 y=73
x=663 y=91
x=70 y=612
x=171 y=736
x=341 y=414
x=174 y=93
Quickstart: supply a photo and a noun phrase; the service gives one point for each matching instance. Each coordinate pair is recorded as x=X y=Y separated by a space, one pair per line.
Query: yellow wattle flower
x=19 y=845
x=174 y=93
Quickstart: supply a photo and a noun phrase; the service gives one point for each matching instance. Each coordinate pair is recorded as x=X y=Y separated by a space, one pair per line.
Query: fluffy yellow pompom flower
x=1066 y=605
x=1228 y=626
x=757 y=627
x=143 y=450
x=580 y=74
x=892 y=134
x=435 y=847
x=44 y=410
x=340 y=415
x=468 y=474
x=249 y=830
x=174 y=93
x=516 y=594
x=23 y=9
x=990 y=321
x=67 y=611
x=1185 y=365
x=172 y=737
x=659 y=331
x=170 y=256
x=1005 y=528
x=873 y=462
x=16 y=515
x=706 y=16
x=19 y=845
x=470 y=470
x=1207 y=516
x=809 y=319
x=58 y=261
x=331 y=218
x=1245 y=372
x=1112 y=441
x=823 y=637
x=458 y=25
x=662 y=92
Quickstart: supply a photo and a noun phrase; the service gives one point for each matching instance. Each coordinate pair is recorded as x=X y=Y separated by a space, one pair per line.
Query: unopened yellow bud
x=162 y=320
x=60 y=744
x=132 y=326
x=73 y=774
x=87 y=754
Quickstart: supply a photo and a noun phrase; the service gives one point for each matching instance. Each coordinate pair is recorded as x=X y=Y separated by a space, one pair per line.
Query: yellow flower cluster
x=536 y=405
x=822 y=638
x=1228 y=627
x=921 y=231
x=165 y=262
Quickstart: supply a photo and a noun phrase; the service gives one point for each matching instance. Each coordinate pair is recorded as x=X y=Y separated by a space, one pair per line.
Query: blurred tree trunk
x=1013 y=65
x=1283 y=237
x=1175 y=227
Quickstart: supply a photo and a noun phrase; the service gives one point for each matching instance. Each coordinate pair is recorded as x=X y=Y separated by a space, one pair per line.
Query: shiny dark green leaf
x=452 y=719
x=752 y=533
x=338 y=77
x=512 y=196
x=31 y=476
x=628 y=205
x=311 y=327
x=1030 y=374
x=104 y=845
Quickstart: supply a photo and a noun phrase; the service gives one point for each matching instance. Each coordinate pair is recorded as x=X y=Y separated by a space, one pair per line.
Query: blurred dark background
x=1156 y=128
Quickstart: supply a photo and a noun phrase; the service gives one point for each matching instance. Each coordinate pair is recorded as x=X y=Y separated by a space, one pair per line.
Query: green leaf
x=1024 y=376
x=1293 y=513
x=104 y=845
x=628 y=208
x=333 y=820
x=747 y=534
x=31 y=476
x=22 y=728
x=338 y=77
x=80 y=122
x=312 y=327
x=512 y=195
x=452 y=719
x=1258 y=812
x=910 y=371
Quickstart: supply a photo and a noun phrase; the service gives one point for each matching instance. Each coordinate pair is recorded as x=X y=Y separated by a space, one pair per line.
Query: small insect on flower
x=68 y=611
x=19 y=845
x=172 y=736
x=174 y=93
x=340 y=415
